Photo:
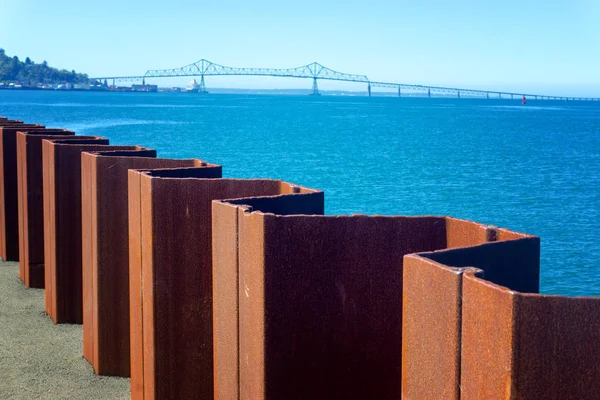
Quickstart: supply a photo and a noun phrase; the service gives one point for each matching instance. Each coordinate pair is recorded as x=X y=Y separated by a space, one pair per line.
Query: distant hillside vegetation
x=31 y=74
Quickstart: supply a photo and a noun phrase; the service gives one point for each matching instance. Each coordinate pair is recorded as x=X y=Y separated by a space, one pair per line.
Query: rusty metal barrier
x=31 y=204
x=434 y=361
x=172 y=280
x=105 y=253
x=203 y=287
x=9 y=206
x=527 y=346
x=511 y=341
x=319 y=300
x=62 y=224
x=227 y=231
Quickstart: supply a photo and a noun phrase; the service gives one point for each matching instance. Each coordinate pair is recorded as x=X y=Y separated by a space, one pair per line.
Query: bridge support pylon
x=399 y=92
x=428 y=92
x=458 y=94
x=315 y=88
x=202 y=85
x=369 y=89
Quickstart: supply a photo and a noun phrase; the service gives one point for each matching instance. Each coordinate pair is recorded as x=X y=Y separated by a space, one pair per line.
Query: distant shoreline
x=50 y=89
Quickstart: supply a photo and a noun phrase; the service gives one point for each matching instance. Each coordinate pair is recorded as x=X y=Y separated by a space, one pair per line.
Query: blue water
x=533 y=168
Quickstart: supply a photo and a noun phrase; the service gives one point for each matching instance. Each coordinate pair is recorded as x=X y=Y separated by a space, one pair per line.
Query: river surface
x=532 y=168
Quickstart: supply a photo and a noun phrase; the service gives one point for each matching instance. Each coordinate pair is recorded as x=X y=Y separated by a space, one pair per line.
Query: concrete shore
x=40 y=360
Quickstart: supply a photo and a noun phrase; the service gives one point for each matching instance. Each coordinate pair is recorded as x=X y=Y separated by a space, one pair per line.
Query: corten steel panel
x=321 y=307
x=528 y=346
x=62 y=224
x=487 y=341
x=320 y=299
x=431 y=310
x=434 y=306
x=463 y=233
x=514 y=262
x=142 y=248
x=9 y=215
x=293 y=200
x=31 y=204
x=103 y=223
x=177 y=278
x=105 y=254
x=225 y=301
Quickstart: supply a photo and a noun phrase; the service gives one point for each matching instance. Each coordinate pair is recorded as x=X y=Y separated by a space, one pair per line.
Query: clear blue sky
x=526 y=45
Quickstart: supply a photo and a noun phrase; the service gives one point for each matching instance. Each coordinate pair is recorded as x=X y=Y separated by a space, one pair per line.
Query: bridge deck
x=315 y=71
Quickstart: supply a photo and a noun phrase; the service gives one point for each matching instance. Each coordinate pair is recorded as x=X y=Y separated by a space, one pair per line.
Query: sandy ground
x=40 y=360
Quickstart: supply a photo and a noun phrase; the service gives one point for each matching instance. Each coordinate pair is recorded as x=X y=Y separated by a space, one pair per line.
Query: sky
x=547 y=47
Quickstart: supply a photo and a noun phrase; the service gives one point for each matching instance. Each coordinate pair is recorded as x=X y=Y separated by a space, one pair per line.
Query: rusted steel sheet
x=62 y=224
x=320 y=300
x=177 y=277
x=31 y=204
x=321 y=307
x=487 y=341
x=434 y=304
x=430 y=330
x=225 y=301
x=105 y=254
x=9 y=215
x=177 y=231
x=528 y=346
x=290 y=200
x=463 y=233
x=511 y=259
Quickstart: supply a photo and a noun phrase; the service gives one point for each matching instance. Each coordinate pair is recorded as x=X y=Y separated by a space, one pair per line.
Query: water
x=533 y=168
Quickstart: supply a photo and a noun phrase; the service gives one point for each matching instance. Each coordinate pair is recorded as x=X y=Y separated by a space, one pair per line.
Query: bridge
x=316 y=71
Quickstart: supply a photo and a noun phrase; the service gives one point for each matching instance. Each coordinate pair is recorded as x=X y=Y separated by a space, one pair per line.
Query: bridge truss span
x=208 y=68
x=316 y=71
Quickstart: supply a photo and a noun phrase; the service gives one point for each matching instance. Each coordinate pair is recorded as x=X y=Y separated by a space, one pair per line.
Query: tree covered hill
x=31 y=74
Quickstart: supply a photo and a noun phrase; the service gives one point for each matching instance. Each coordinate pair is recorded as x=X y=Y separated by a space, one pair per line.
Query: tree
x=30 y=73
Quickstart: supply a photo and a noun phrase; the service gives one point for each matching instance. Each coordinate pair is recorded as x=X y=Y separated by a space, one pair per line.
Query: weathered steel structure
x=203 y=287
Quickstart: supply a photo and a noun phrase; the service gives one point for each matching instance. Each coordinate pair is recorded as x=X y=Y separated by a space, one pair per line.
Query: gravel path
x=40 y=360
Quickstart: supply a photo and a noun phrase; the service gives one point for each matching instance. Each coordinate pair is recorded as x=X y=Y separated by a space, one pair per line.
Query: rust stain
x=30 y=202
x=9 y=220
x=178 y=276
x=105 y=254
x=62 y=224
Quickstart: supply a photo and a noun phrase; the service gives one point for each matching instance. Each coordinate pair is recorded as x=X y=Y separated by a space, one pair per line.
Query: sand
x=40 y=360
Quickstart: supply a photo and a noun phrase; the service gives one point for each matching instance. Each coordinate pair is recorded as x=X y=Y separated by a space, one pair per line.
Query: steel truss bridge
x=316 y=71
